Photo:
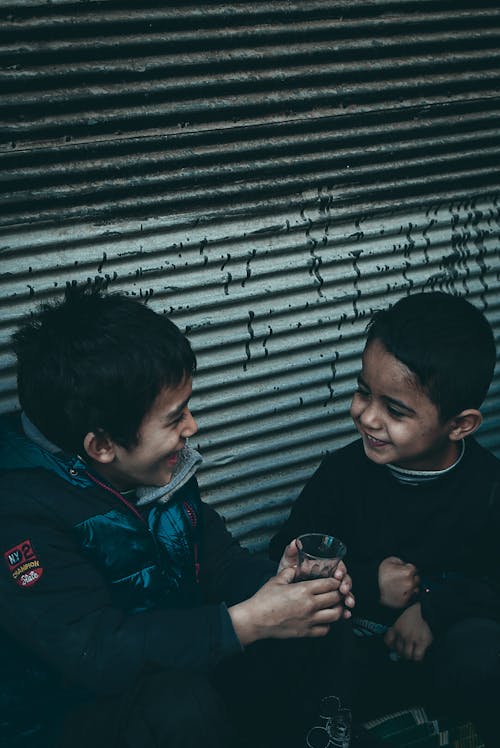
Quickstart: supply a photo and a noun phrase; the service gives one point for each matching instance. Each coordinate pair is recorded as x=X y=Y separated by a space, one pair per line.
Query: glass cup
x=319 y=555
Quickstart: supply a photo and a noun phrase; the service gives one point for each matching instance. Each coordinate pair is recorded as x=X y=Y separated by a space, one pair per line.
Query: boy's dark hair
x=96 y=362
x=446 y=342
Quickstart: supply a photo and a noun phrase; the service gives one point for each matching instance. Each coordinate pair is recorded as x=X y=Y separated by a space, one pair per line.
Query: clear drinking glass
x=319 y=555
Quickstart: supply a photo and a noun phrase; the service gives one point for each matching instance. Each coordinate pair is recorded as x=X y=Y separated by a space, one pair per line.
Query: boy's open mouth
x=373 y=442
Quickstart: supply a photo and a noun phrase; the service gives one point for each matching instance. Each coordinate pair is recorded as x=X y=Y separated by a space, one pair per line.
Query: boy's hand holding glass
x=298 y=555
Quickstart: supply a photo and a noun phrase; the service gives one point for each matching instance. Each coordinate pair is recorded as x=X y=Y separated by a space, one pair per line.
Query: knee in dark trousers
x=467 y=671
x=169 y=709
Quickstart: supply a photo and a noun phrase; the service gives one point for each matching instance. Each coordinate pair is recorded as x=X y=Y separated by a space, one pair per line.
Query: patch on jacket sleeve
x=23 y=564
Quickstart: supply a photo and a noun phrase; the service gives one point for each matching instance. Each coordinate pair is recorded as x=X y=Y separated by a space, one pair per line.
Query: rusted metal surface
x=276 y=312
x=111 y=110
x=266 y=173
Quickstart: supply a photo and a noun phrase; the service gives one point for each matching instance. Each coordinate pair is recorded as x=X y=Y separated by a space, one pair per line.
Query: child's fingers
x=340 y=571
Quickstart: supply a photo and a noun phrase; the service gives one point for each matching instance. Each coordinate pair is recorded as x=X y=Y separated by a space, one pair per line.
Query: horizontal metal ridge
x=315 y=68
x=161 y=53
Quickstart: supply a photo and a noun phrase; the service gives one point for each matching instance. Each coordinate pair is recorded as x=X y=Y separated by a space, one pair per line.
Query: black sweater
x=448 y=527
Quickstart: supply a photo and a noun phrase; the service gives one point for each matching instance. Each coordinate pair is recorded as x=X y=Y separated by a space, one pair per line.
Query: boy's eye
x=395 y=413
x=180 y=417
x=175 y=420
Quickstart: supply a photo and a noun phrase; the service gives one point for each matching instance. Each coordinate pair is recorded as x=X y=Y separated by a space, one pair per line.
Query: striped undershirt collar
x=418 y=477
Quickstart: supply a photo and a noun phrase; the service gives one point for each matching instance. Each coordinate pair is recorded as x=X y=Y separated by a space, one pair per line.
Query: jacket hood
x=18 y=452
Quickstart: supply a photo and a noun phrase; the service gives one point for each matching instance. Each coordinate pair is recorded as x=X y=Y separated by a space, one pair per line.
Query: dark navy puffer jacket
x=94 y=592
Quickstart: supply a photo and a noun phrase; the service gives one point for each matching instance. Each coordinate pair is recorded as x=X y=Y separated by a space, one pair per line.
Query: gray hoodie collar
x=33 y=433
x=187 y=463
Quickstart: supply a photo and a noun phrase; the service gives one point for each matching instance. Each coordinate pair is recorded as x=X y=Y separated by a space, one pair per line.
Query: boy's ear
x=465 y=423
x=99 y=447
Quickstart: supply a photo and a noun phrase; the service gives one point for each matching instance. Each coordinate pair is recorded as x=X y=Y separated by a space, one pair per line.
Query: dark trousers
x=459 y=676
x=268 y=696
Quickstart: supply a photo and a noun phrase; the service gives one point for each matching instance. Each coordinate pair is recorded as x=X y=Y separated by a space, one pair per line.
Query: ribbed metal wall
x=267 y=173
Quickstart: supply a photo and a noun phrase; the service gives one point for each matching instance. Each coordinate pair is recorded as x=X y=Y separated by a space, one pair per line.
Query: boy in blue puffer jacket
x=130 y=616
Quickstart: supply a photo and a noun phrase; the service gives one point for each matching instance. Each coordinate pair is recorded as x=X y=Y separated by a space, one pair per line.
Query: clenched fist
x=398 y=582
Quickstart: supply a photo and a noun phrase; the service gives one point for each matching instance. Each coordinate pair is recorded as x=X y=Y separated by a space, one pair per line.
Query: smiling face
x=162 y=434
x=397 y=421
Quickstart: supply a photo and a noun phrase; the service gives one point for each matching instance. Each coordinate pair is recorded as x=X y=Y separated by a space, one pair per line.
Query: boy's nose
x=190 y=426
x=370 y=416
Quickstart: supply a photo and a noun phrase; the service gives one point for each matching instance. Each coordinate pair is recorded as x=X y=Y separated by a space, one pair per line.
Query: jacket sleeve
x=62 y=612
x=229 y=571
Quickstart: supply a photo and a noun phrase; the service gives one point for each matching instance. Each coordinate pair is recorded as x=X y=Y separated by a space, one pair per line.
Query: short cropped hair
x=446 y=342
x=95 y=362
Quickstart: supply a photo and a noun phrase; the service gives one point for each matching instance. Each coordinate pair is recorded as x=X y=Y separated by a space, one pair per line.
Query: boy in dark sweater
x=417 y=501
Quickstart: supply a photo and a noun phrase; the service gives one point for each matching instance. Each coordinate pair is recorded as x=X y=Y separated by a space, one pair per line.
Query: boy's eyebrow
x=391 y=400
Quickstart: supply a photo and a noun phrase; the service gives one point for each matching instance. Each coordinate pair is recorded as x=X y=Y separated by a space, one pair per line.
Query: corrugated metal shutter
x=267 y=173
